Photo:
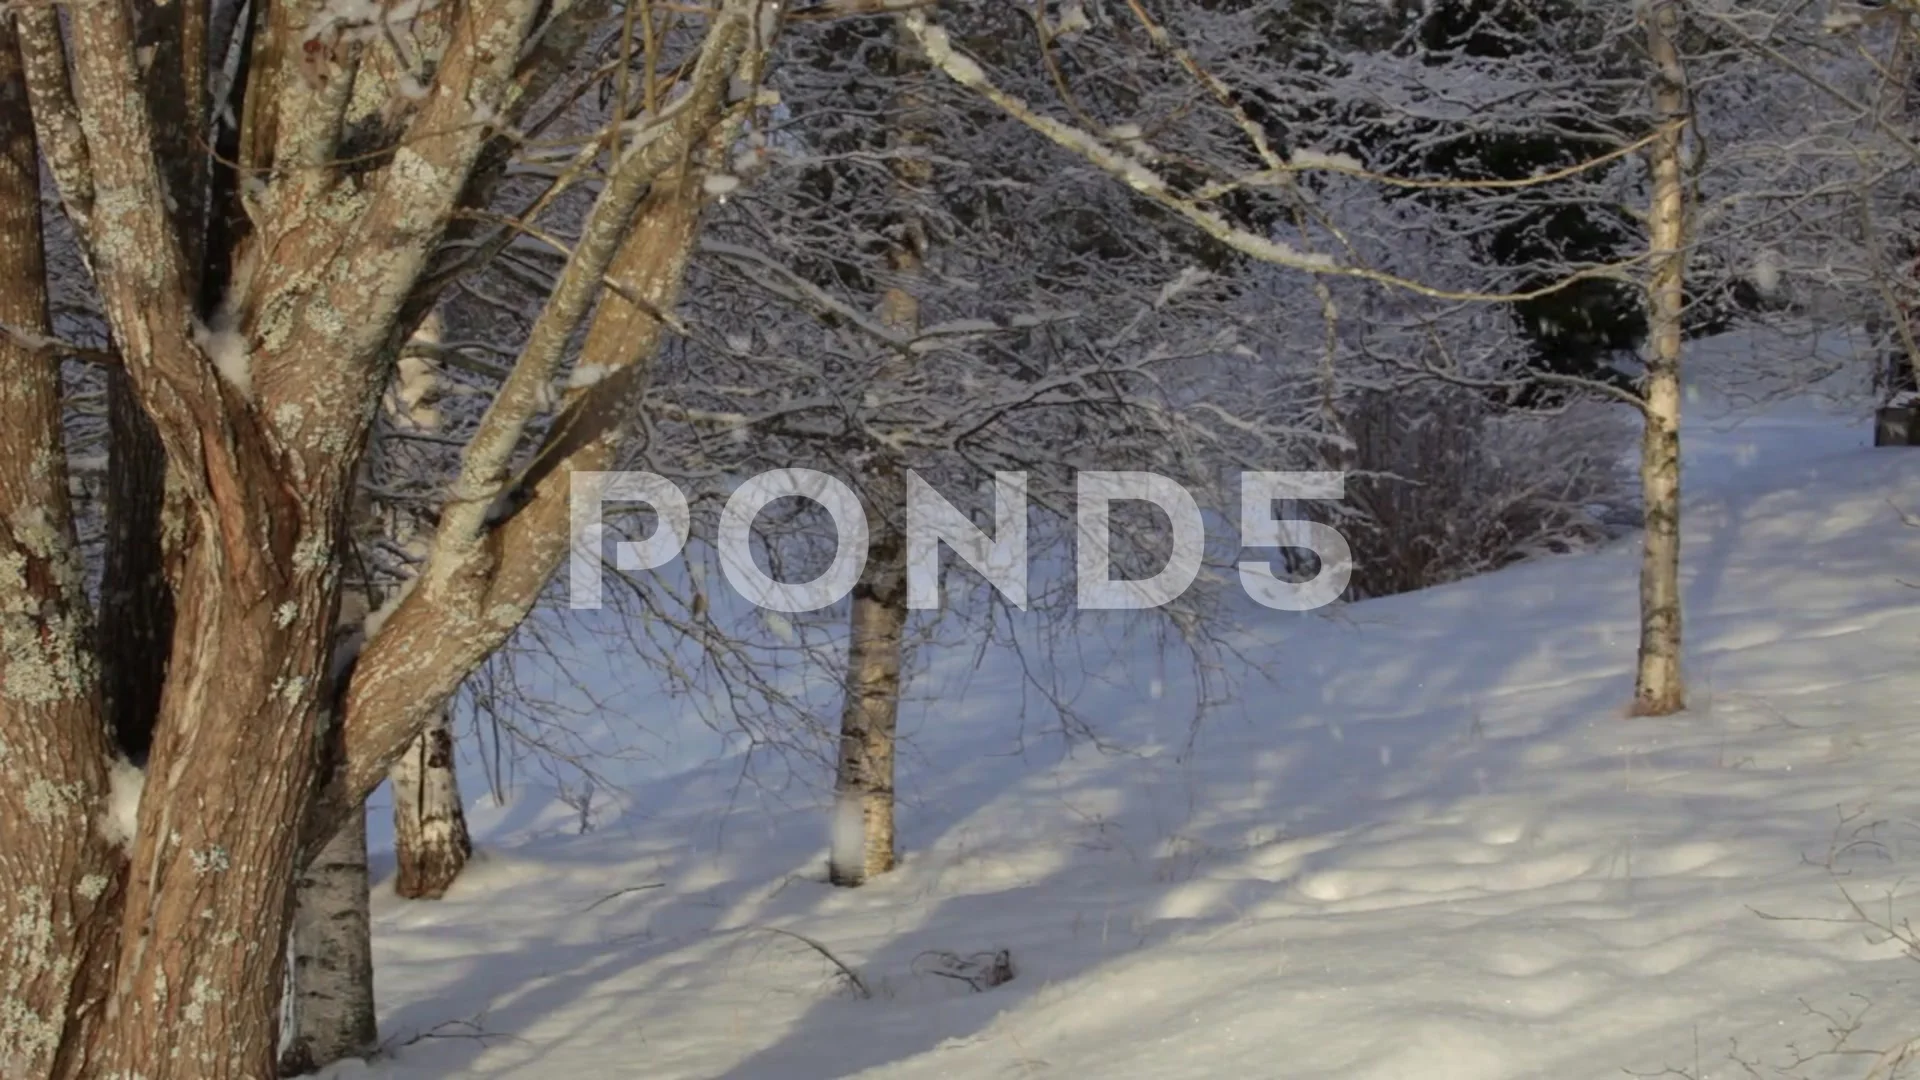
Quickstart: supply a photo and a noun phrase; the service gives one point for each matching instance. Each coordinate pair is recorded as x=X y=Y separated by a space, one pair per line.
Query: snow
x=1765 y=274
x=378 y=617
x=125 y=784
x=227 y=348
x=1303 y=158
x=1429 y=845
x=1840 y=19
x=1188 y=277
x=1073 y=18
x=585 y=375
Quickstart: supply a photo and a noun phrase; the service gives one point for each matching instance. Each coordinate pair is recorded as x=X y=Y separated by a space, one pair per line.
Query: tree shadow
x=1410 y=713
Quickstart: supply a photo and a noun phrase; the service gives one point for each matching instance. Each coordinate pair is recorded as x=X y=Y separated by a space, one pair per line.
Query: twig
x=439 y=1031
x=625 y=891
x=42 y=345
x=853 y=977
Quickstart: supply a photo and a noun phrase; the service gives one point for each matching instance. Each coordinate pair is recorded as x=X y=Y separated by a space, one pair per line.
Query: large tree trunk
x=168 y=964
x=862 y=844
x=331 y=999
x=59 y=879
x=207 y=901
x=430 y=840
x=1658 y=687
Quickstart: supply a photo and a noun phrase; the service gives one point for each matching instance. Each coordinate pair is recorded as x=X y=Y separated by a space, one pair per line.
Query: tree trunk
x=862 y=842
x=331 y=1001
x=167 y=964
x=331 y=980
x=430 y=838
x=208 y=899
x=1658 y=687
x=59 y=879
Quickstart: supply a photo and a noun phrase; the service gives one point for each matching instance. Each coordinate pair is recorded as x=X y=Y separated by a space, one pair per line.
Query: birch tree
x=330 y=1008
x=431 y=843
x=255 y=312
x=907 y=280
x=1257 y=161
x=863 y=832
x=1658 y=686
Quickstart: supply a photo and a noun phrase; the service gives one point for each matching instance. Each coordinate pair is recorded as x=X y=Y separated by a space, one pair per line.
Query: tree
x=350 y=219
x=431 y=843
x=940 y=291
x=330 y=986
x=1835 y=196
x=330 y=996
x=1658 y=688
x=58 y=903
x=1122 y=156
x=863 y=845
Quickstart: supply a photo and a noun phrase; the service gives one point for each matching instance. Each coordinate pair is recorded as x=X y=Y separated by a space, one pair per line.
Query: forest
x=794 y=538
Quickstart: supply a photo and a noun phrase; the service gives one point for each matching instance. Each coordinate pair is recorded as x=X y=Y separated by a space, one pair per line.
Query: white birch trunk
x=330 y=1006
x=863 y=835
x=430 y=838
x=863 y=829
x=1658 y=687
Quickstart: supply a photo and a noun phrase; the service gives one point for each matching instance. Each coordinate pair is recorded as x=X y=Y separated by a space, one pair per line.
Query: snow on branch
x=1133 y=170
x=484 y=468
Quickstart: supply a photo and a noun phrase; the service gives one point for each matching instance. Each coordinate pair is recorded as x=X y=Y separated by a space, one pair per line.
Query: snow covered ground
x=1426 y=845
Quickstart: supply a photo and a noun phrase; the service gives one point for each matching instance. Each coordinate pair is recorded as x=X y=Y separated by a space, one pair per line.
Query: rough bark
x=206 y=905
x=61 y=877
x=479 y=585
x=197 y=939
x=207 y=900
x=168 y=965
x=331 y=1001
x=1658 y=686
x=863 y=844
x=430 y=839
x=134 y=643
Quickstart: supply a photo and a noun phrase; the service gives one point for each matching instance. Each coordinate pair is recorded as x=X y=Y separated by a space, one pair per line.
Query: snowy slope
x=1427 y=844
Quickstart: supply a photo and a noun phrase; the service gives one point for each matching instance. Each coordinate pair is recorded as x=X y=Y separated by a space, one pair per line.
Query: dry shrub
x=1442 y=485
